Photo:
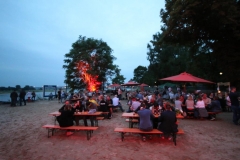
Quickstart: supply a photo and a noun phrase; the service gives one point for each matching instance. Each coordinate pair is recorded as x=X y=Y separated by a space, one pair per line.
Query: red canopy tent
x=114 y=85
x=130 y=83
x=143 y=85
x=185 y=77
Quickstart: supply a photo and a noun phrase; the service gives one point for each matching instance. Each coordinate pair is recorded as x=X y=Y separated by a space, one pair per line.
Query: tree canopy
x=210 y=29
x=197 y=36
x=88 y=64
x=139 y=73
x=119 y=79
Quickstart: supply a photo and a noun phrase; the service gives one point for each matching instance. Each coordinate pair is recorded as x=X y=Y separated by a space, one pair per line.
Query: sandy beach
x=22 y=137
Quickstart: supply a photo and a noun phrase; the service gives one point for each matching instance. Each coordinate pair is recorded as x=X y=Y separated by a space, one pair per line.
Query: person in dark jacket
x=66 y=117
x=22 y=97
x=168 y=122
x=215 y=106
x=234 y=105
x=13 y=97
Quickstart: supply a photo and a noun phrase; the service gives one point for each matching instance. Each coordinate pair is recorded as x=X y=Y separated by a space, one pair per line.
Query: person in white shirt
x=119 y=93
x=228 y=103
x=178 y=104
x=200 y=103
x=200 y=110
x=116 y=103
x=207 y=101
x=190 y=103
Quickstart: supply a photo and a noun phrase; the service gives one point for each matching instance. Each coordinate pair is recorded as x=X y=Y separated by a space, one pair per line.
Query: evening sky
x=35 y=35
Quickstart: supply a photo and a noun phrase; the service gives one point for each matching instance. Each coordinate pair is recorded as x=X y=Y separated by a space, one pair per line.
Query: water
x=5 y=97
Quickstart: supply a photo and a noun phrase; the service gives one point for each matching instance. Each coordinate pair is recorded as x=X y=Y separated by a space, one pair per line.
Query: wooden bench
x=133 y=120
x=105 y=114
x=209 y=113
x=52 y=128
x=97 y=119
x=138 y=131
x=136 y=121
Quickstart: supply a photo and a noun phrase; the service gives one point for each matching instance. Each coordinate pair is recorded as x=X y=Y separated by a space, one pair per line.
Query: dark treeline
x=17 y=88
x=199 y=37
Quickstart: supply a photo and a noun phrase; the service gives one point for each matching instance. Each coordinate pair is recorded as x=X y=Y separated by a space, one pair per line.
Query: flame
x=89 y=80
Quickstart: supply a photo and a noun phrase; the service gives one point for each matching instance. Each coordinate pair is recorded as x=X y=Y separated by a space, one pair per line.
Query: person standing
x=13 y=97
x=234 y=105
x=119 y=93
x=33 y=96
x=59 y=95
x=22 y=97
x=109 y=104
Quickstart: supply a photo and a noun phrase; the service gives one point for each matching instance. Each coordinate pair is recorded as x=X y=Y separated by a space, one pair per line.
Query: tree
x=27 y=87
x=119 y=79
x=88 y=63
x=18 y=87
x=139 y=73
x=211 y=29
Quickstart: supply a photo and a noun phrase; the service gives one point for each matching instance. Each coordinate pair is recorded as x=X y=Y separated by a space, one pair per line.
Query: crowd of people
x=146 y=104
x=165 y=104
x=86 y=102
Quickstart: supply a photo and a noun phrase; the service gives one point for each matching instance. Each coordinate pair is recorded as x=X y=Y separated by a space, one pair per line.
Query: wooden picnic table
x=133 y=115
x=56 y=113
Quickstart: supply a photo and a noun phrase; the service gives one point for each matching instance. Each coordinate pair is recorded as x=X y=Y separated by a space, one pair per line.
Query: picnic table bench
x=210 y=113
x=52 y=128
x=131 y=116
x=137 y=121
x=138 y=131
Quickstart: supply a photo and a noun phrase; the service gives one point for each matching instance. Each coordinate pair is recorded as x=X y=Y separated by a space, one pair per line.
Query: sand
x=22 y=137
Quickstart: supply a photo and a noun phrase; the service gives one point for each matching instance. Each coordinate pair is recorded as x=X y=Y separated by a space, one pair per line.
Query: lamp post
x=220 y=79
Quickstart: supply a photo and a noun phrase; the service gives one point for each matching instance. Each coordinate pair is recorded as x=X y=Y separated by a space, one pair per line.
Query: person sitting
x=190 y=104
x=145 y=119
x=215 y=107
x=103 y=106
x=183 y=105
x=207 y=101
x=91 y=106
x=156 y=110
x=200 y=110
x=50 y=96
x=116 y=103
x=66 y=117
x=178 y=104
x=71 y=96
x=109 y=104
x=135 y=104
x=168 y=122
x=77 y=108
